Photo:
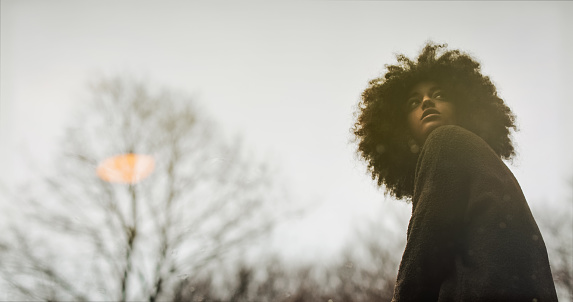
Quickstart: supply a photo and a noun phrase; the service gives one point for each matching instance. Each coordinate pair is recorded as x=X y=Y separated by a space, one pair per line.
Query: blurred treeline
x=367 y=275
x=178 y=235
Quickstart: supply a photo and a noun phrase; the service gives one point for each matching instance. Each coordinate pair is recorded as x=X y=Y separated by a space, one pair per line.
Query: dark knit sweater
x=471 y=236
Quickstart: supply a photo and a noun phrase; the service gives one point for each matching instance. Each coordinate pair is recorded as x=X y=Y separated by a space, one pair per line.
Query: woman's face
x=428 y=107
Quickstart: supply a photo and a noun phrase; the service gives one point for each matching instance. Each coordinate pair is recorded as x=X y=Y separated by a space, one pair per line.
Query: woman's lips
x=430 y=116
x=430 y=112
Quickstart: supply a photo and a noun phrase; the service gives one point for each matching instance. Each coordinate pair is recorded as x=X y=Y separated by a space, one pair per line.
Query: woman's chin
x=431 y=126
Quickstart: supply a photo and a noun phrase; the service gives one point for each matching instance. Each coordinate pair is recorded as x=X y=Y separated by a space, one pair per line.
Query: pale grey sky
x=286 y=77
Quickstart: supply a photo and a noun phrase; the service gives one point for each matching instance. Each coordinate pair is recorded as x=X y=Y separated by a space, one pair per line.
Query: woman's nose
x=427 y=102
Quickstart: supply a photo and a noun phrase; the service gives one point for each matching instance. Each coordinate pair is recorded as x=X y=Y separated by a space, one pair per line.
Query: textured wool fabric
x=471 y=236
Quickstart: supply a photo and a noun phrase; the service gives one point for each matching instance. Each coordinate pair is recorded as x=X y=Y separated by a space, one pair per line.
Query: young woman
x=434 y=131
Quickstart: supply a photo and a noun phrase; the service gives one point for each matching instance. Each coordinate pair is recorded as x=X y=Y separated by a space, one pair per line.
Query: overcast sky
x=286 y=77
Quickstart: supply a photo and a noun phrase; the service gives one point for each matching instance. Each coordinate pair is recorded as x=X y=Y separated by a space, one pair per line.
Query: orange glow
x=126 y=168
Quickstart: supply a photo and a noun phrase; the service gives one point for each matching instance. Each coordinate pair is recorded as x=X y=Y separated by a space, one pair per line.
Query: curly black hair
x=381 y=128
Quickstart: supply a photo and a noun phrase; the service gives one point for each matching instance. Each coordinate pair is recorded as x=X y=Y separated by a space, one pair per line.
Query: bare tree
x=78 y=237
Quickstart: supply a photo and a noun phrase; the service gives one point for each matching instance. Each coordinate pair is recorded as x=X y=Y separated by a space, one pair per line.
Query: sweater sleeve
x=441 y=193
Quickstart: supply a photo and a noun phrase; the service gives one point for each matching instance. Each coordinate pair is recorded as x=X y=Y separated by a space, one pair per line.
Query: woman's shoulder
x=455 y=137
x=458 y=145
x=446 y=132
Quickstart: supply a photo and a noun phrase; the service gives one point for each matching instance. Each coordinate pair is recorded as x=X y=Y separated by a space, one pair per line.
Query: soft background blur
x=286 y=77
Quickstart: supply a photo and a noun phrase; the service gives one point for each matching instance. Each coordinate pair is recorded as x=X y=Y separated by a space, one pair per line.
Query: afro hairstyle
x=381 y=130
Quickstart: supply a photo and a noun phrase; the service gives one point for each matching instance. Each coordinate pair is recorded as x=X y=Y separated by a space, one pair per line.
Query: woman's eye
x=437 y=95
x=413 y=103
